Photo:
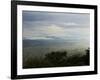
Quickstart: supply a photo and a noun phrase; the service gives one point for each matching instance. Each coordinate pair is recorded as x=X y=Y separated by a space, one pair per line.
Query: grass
x=57 y=59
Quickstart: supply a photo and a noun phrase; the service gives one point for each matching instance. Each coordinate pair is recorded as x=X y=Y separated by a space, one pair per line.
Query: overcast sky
x=56 y=26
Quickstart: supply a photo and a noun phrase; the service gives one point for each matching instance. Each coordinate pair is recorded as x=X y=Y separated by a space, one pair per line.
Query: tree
x=55 y=58
x=87 y=59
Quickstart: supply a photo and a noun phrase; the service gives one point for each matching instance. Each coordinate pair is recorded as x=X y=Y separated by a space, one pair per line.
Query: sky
x=56 y=26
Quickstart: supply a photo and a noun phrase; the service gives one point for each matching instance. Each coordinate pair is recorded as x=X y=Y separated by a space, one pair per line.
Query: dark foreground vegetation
x=57 y=59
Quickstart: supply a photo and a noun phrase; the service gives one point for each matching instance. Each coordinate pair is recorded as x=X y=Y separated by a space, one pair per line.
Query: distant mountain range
x=29 y=43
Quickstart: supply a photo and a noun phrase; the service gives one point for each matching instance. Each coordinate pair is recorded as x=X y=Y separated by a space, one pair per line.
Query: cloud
x=52 y=31
x=56 y=26
x=56 y=17
x=71 y=24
